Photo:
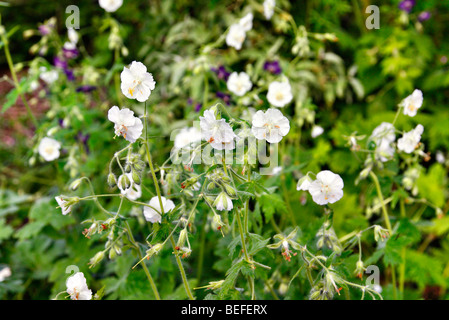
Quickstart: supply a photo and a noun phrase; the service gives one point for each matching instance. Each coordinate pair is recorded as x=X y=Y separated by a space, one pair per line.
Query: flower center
x=49 y=150
x=279 y=96
x=123 y=130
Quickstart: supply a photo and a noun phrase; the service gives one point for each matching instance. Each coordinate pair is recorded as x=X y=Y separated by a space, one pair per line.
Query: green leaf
x=11 y=98
x=30 y=230
x=257 y=243
x=5 y=230
x=431 y=186
x=271 y=203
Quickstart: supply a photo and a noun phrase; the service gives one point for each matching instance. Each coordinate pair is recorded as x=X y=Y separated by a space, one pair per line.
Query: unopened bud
x=182 y=238
x=112 y=180
x=96 y=259
x=136 y=177
x=75 y=184
x=230 y=190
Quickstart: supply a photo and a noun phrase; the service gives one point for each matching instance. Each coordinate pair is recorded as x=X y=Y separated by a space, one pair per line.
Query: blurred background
x=355 y=89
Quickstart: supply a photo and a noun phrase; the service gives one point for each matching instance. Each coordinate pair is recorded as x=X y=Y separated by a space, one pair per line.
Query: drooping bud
x=136 y=177
x=359 y=269
x=230 y=190
x=96 y=259
x=182 y=238
x=124 y=182
x=75 y=184
x=154 y=250
x=380 y=233
x=112 y=180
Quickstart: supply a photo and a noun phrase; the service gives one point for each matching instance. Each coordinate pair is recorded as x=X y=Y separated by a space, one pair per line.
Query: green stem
x=181 y=270
x=403 y=254
x=201 y=254
x=147 y=272
x=388 y=224
x=158 y=192
x=381 y=198
x=117 y=79
x=245 y=252
x=14 y=77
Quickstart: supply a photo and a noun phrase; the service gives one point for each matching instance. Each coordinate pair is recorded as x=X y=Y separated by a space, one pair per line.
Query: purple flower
x=70 y=75
x=425 y=15
x=198 y=107
x=83 y=139
x=221 y=73
x=44 y=30
x=61 y=123
x=407 y=5
x=70 y=53
x=273 y=67
x=86 y=88
x=60 y=63
x=225 y=97
x=189 y=101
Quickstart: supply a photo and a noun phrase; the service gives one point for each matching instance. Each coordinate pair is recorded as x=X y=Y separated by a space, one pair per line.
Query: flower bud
x=380 y=233
x=230 y=190
x=136 y=177
x=185 y=252
x=154 y=250
x=217 y=223
x=182 y=238
x=211 y=186
x=75 y=184
x=139 y=165
x=96 y=259
x=28 y=33
x=124 y=182
x=112 y=180
x=359 y=269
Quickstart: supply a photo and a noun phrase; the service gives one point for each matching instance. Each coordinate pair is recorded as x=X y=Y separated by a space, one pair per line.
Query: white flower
x=236 y=35
x=279 y=93
x=383 y=135
x=77 y=287
x=377 y=288
x=186 y=137
x=239 y=83
x=410 y=140
x=316 y=131
x=72 y=35
x=384 y=131
x=125 y=123
x=110 y=5
x=384 y=151
x=48 y=76
x=63 y=204
x=223 y=202
x=268 y=8
x=34 y=85
x=304 y=183
x=134 y=191
x=440 y=157
x=412 y=103
x=271 y=125
x=327 y=188
x=69 y=45
x=49 y=149
x=5 y=273
x=153 y=215
x=247 y=22
x=136 y=82
x=217 y=132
